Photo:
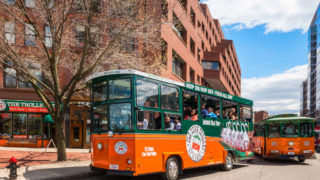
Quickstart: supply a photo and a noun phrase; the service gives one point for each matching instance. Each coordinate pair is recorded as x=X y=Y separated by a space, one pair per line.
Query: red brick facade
x=260 y=115
x=209 y=46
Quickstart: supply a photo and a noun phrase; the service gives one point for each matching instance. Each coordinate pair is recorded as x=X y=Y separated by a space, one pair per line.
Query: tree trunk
x=60 y=139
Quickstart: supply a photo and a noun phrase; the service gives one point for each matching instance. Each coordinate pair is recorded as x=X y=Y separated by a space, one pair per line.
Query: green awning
x=48 y=119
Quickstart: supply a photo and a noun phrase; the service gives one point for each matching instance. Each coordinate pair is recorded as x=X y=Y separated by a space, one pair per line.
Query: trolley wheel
x=302 y=159
x=229 y=163
x=172 y=169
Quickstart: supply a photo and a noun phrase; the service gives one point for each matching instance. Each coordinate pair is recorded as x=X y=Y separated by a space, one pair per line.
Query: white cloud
x=276 y=15
x=278 y=93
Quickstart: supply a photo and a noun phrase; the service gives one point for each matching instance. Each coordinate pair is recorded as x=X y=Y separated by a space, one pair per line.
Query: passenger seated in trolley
x=168 y=125
x=204 y=111
x=211 y=114
x=177 y=125
x=193 y=116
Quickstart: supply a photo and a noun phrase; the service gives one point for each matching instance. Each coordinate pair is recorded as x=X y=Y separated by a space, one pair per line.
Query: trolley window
x=147 y=94
x=169 y=98
x=306 y=129
x=274 y=130
x=290 y=130
x=120 y=88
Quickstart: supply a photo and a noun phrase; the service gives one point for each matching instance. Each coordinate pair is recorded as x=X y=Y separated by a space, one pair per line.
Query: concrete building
x=260 y=115
x=194 y=50
x=310 y=88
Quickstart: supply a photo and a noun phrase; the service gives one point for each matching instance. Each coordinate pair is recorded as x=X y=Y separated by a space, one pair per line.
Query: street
x=258 y=170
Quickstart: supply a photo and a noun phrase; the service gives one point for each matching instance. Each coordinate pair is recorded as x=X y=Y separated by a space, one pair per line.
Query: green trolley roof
x=186 y=85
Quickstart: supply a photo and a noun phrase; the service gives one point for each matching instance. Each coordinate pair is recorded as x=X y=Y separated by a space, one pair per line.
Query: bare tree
x=53 y=45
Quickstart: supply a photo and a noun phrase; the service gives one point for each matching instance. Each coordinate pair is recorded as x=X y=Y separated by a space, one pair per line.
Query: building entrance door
x=78 y=126
x=76 y=135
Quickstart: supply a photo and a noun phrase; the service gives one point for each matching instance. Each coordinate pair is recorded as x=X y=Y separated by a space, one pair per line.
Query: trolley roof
x=187 y=85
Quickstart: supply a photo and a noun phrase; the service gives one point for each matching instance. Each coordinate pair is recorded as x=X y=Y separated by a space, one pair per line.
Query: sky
x=271 y=43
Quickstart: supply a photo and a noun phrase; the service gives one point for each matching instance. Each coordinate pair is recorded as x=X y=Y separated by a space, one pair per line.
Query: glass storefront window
x=5 y=125
x=20 y=125
x=34 y=126
x=120 y=116
x=120 y=88
x=147 y=94
x=100 y=119
x=274 y=130
x=169 y=98
x=290 y=130
x=46 y=131
x=100 y=92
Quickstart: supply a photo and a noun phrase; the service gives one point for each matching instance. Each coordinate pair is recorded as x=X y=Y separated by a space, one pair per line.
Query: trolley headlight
x=110 y=133
x=274 y=143
x=306 y=143
x=290 y=143
x=100 y=146
x=129 y=161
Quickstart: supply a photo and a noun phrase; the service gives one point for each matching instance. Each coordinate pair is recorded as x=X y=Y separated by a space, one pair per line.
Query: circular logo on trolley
x=196 y=143
x=3 y=105
x=121 y=147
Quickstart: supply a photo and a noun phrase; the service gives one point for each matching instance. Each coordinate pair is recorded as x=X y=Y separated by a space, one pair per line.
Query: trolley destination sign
x=22 y=106
x=212 y=92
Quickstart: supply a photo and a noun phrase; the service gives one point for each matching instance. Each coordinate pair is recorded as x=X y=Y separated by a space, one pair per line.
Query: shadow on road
x=277 y=162
x=190 y=173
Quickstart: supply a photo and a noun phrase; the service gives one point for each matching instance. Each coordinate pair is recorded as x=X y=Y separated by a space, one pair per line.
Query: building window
x=10 y=80
x=198 y=55
x=184 y=4
x=192 y=17
x=178 y=65
x=11 y=2
x=47 y=36
x=30 y=35
x=164 y=8
x=128 y=44
x=202 y=45
x=179 y=28
x=10 y=32
x=5 y=126
x=9 y=76
x=30 y=3
x=192 y=75
x=20 y=126
x=78 y=5
x=34 y=126
x=210 y=65
x=192 y=46
x=164 y=52
x=80 y=36
x=119 y=9
x=96 y=6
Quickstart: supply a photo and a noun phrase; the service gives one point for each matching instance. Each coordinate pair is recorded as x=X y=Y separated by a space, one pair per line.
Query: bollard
x=13 y=168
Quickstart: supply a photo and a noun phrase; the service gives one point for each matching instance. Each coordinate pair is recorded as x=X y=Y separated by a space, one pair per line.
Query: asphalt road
x=259 y=169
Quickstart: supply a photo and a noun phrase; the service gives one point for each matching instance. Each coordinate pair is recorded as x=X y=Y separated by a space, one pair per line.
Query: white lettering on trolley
x=149 y=152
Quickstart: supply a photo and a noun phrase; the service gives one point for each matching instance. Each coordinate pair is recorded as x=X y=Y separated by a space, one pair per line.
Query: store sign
x=3 y=105
x=22 y=106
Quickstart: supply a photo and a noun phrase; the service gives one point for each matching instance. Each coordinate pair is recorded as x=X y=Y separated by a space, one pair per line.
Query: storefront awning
x=48 y=119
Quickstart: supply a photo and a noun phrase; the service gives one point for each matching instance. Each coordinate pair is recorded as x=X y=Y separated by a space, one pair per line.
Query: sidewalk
x=36 y=165
x=61 y=170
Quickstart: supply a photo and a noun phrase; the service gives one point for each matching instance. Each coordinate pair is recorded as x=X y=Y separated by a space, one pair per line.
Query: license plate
x=114 y=166
x=290 y=153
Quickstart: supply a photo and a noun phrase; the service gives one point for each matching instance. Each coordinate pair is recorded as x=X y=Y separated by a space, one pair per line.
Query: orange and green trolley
x=285 y=136
x=144 y=124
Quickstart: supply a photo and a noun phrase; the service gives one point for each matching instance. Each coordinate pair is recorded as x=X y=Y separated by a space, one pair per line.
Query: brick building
x=193 y=49
x=260 y=115
x=198 y=52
